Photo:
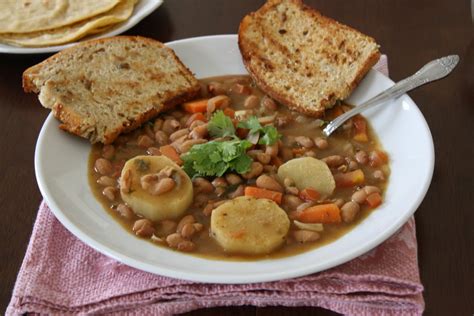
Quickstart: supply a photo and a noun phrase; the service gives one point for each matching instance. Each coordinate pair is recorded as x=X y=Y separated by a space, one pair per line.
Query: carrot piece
x=260 y=193
x=377 y=158
x=349 y=179
x=229 y=112
x=324 y=213
x=196 y=117
x=171 y=153
x=196 y=106
x=360 y=129
x=374 y=199
x=309 y=194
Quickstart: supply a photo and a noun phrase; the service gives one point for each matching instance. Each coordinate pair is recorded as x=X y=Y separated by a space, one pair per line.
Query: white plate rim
x=210 y=278
x=141 y=10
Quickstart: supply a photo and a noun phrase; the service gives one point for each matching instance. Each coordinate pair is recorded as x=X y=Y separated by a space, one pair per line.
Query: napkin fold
x=62 y=275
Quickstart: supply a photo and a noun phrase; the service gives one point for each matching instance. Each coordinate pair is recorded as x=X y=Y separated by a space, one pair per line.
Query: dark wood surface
x=409 y=32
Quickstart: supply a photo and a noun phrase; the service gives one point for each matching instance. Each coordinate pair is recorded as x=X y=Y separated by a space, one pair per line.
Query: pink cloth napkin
x=61 y=275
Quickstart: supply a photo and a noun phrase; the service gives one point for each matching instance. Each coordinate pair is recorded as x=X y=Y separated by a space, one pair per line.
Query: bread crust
x=73 y=123
x=248 y=54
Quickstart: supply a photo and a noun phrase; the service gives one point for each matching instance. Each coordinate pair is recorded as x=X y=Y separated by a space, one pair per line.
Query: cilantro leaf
x=220 y=125
x=215 y=158
x=268 y=134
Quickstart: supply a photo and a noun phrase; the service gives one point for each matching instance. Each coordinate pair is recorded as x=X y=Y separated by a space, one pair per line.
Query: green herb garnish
x=220 y=125
x=268 y=134
x=215 y=158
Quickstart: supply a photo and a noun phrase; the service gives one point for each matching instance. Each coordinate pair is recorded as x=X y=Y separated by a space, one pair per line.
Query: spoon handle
x=433 y=70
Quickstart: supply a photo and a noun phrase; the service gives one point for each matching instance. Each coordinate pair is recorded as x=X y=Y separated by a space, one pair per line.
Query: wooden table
x=409 y=32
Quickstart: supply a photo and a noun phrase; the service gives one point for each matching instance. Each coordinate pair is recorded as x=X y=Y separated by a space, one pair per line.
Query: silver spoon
x=433 y=70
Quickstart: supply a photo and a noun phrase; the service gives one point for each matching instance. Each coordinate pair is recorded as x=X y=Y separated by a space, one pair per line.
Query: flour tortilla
x=70 y=33
x=25 y=16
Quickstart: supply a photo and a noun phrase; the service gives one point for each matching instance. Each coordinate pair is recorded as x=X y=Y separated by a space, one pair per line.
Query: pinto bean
x=255 y=170
x=108 y=151
x=188 y=219
x=353 y=165
x=339 y=202
x=241 y=89
x=103 y=166
x=304 y=206
x=369 y=189
x=264 y=158
x=107 y=181
x=157 y=124
x=174 y=240
x=304 y=236
x=188 y=230
x=216 y=88
x=126 y=181
x=238 y=192
x=361 y=157
x=251 y=102
x=186 y=145
x=379 y=175
x=161 y=138
x=202 y=185
x=349 y=211
x=272 y=150
x=145 y=141
x=125 y=211
x=321 y=143
x=233 y=179
x=359 y=196
x=163 y=186
x=304 y=141
x=170 y=125
x=199 y=131
x=334 y=160
x=153 y=151
x=291 y=201
x=217 y=102
x=269 y=104
x=110 y=193
x=266 y=182
x=186 y=246
x=143 y=228
x=178 y=134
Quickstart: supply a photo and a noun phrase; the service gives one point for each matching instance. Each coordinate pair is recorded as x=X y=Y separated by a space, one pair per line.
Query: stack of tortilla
x=36 y=23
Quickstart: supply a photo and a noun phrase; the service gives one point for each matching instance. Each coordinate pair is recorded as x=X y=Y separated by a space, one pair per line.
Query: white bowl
x=61 y=171
x=141 y=11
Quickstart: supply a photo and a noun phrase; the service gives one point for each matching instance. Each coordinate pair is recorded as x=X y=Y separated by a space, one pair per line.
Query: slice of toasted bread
x=301 y=58
x=101 y=88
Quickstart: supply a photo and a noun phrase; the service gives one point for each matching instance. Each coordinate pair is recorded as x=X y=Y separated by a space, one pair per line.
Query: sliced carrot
x=324 y=213
x=171 y=153
x=196 y=106
x=309 y=194
x=377 y=158
x=349 y=179
x=229 y=112
x=260 y=193
x=360 y=129
x=196 y=117
x=374 y=199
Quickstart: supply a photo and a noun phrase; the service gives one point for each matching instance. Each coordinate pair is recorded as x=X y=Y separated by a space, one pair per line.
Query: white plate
x=61 y=171
x=141 y=11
